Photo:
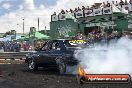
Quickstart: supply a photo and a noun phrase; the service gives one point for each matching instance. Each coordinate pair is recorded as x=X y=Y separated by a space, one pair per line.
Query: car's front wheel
x=32 y=65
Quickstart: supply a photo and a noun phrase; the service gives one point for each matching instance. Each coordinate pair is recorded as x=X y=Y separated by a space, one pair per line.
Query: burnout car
x=55 y=53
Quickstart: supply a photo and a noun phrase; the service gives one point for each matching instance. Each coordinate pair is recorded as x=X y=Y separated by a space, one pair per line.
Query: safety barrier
x=12 y=57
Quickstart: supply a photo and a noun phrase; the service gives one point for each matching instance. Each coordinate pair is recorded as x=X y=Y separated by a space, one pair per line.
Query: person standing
x=130 y=1
x=121 y=3
x=130 y=5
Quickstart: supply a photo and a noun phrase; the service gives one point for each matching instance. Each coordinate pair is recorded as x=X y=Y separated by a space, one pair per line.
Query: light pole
x=23 y=26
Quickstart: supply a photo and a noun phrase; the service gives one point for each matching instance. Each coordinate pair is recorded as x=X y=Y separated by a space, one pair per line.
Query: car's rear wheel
x=32 y=65
x=79 y=80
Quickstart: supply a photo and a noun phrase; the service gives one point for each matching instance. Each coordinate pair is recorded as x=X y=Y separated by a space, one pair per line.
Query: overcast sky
x=13 y=11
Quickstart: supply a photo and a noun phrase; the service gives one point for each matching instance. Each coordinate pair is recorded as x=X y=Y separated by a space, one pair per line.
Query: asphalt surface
x=17 y=76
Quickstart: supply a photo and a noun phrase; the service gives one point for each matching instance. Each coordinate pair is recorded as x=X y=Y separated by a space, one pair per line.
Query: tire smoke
x=113 y=58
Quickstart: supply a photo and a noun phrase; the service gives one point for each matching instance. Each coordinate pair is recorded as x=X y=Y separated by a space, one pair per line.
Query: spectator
x=79 y=9
x=126 y=3
x=121 y=3
x=113 y=2
x=103 y=5
x=75 y=10
x=93 y=7
x=54 y=13
x=116 y=3
x=79 y=35
x=83 y=8
x=131 y=5
x=130 y=1
x=62 y=11
x=66 y=11
x=87 y=8
x=108 y=4
x=71 y=10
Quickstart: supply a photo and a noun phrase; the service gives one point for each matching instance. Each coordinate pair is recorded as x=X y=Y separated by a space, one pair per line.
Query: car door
x=43 y=54
x=53 y=53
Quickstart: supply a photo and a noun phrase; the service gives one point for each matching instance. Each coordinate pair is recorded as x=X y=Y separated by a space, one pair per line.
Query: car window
x=45 y=47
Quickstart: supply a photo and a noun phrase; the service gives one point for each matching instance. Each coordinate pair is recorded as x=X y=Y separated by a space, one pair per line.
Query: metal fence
x=12 y=57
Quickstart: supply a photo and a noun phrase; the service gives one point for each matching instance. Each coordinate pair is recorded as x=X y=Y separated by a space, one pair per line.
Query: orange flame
x=81 y=71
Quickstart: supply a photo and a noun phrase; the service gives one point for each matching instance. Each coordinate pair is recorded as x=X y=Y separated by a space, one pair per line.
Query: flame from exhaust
x=81 y=71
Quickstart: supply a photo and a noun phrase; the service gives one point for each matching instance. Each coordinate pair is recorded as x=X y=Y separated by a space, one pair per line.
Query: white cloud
x=6 y=5
x=30 y=13
x=28 y=4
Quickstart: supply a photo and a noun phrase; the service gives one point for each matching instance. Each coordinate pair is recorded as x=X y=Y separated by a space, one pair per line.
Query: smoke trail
x=116 y=58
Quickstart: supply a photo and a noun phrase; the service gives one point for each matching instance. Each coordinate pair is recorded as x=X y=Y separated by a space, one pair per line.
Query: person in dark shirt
x=66 y=11
x=71 y=10
x=62 y=11
x=103 y=5
x=83 y=8
x=54 y=13
x=121 y=3
x=108 y=4
x=76 y=10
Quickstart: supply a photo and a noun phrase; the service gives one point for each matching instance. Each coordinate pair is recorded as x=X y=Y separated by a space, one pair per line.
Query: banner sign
x=107 y=78
x=79 y=14
x=97 y=12
x=88 y=13
x=54 y=18
x=107 y=10
x=110 y=23
x=62 y=16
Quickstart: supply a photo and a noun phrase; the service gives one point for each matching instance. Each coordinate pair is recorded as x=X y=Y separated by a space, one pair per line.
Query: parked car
x=55 y=53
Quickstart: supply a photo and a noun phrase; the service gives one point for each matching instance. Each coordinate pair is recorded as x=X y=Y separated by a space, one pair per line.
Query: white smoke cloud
x=114 y=59
x=30 y=13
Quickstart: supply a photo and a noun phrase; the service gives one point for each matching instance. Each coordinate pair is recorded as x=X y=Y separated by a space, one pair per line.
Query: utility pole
x=45 y=30
x=23 y=26
x=38 y=23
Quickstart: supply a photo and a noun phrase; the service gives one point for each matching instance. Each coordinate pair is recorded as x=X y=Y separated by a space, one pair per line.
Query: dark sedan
x=55 y=53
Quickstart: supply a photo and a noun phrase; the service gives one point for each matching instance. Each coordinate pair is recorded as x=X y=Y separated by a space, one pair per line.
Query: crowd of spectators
x=103 y=4
x=10 y=46
x=96 y=36
x=14 y=46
